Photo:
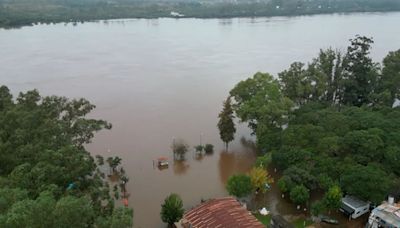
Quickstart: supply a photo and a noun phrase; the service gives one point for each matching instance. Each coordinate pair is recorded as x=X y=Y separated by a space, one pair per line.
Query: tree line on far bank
x=15 y=13
x=329 y=125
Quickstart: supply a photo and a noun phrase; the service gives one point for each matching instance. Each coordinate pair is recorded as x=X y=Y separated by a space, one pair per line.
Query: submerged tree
x=260 y=102
x=179 y=148
x=209 y=148
x=172 y=209
x=114 y=162
x=199 y=148
x=226 y=125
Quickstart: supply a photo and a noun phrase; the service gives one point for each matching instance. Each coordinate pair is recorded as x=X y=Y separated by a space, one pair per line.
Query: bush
x=172 y=209
x=239 y=185
x=317 y=208
x=285 y=184
x=299 y=194
x=259 y=178
x=199 y=148
x=333 y=198
x=179 y=148
x=209 y=148
x=263 y=161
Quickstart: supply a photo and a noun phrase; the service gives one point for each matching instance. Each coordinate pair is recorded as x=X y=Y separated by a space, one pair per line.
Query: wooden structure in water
x=162 y=162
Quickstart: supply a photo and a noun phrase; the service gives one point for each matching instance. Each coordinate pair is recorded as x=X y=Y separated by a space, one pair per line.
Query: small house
x=354 y=207
x=162 y=162
x=385 y=215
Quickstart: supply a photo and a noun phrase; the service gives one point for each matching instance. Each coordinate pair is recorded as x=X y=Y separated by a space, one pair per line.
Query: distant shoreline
x=10 y=20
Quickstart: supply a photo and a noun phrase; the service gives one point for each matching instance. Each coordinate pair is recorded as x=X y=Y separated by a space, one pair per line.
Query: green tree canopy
x=239 y=185
x=367 y=182
x=172 y=209
x=299 y=194
x=329 y=122
x=42 y=154
x=332 y=198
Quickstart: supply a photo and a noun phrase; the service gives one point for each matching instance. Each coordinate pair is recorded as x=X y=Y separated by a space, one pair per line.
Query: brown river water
x=156 y=80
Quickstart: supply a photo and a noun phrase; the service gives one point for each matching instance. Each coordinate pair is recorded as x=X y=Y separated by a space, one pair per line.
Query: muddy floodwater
x=156 y=80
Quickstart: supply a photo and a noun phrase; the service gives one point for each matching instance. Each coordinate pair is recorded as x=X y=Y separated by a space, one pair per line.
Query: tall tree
x=390 y=79
x=226 y=125
x=259 y=102
x=295 y=83
x=361 y=72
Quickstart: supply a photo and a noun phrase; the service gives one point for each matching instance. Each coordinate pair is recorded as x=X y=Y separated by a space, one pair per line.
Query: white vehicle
x=354 y=207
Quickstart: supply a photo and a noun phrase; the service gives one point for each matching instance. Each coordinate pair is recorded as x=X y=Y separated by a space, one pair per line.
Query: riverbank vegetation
x=330 y=125
x=257 y=180
x=15 y=13
x=47 y=178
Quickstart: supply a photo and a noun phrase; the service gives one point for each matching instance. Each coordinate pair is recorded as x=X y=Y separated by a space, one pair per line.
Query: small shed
x=162 y=162
x=354 y=207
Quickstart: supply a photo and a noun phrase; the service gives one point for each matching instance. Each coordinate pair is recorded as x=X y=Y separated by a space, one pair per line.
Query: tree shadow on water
x=180 y=167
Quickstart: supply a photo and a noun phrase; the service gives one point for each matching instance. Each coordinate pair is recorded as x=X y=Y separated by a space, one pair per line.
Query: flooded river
x=156 y=80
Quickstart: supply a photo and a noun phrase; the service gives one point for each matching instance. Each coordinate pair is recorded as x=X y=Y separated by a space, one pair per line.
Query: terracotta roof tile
x=221 y=213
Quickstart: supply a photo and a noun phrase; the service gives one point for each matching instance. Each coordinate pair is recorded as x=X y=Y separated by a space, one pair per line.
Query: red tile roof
x=221 y=213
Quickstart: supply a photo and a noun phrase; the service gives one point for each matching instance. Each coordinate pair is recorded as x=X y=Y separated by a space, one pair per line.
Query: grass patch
x=264 y=219
x=299 y=223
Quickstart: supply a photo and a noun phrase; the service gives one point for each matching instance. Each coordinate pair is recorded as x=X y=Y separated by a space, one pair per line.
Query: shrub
x=299 y=194
x=239 y=185
x=209 y=148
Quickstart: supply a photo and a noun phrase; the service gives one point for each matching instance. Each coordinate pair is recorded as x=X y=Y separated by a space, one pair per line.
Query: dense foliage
x=239 y=185
x=26 y=12
x=172 y=209
x=180 y=148
x=331 y=122
x=299 y=194
x=47 y=178
x=260 y=179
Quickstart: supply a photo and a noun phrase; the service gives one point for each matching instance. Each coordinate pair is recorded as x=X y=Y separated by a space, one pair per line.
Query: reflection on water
x=199 y=156
x=180 y=167
x=225 y=21
x=234 y=162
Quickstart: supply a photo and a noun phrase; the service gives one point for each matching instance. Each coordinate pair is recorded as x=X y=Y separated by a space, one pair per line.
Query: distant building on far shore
x=176 y=14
